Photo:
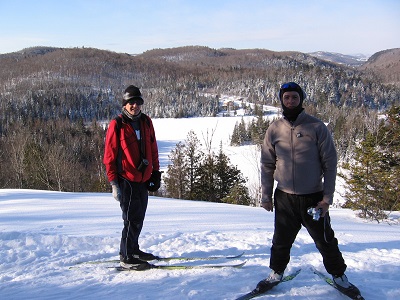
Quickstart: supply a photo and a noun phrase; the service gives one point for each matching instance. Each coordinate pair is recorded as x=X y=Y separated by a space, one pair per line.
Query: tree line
x=53 y=155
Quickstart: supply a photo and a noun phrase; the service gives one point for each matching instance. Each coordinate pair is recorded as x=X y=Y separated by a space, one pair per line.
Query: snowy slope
x=44 y=233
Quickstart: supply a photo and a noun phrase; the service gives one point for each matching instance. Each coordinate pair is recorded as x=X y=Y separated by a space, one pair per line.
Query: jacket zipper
x=293 y=162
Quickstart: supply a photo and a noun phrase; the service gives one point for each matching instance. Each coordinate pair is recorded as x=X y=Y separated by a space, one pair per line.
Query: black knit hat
x=292 y=87
x=132 y=92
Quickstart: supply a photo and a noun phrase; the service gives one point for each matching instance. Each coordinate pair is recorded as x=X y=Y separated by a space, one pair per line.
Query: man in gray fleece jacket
x=299 y=154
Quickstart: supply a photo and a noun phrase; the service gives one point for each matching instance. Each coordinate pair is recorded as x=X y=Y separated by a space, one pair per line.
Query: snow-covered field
x=44 y=233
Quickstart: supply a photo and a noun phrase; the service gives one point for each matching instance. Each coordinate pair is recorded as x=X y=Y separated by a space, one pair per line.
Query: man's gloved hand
x=116 y=191
x=154 y=183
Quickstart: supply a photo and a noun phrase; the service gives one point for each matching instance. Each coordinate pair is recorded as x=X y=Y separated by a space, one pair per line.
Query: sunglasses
x=135 y=101
x=289 y=85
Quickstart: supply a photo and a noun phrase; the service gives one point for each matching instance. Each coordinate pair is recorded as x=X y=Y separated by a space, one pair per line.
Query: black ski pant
x=134 y=200
x=290 y=215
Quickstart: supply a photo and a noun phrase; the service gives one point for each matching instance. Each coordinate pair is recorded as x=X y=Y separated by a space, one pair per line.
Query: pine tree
x=193 y=157
x=235 y=138
x=374 y=177
x=217 y=177
x=205 y=185
x=176 y=179
x=238 y=194
x=363 y=193
x=253 y=131
x=391 y=141
x=182 y=173
x=243 y=132
x=259 y=128
x=226 y=175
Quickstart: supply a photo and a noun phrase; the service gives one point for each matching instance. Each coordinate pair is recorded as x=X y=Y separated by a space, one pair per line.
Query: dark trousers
x=290 y=215
x=133 y=205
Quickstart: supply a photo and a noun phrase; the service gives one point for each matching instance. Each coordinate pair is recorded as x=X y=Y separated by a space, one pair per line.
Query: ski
x=258 y=292
x=352 y=292
x=178 y=258
x=182 y=267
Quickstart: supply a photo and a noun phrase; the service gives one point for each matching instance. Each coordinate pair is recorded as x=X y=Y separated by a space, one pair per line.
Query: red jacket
x=130 y=151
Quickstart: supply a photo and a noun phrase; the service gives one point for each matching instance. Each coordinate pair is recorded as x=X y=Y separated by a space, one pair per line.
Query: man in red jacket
x=132 y=165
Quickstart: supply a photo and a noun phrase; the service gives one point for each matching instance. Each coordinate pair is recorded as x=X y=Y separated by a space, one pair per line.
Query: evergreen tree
x=217 y=177
x=205 y=186
x=238 y=194
x=391 y=142
x=373 y=183
x=235 y=138
x=362 y=193
x=243 y=132
x=176 y=179
x=182 y=173
x=193 y=156
x=253 y=131
x=260 y=128
x=226 y=175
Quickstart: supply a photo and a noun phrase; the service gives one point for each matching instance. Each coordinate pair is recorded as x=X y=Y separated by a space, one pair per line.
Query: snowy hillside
x=43 y=234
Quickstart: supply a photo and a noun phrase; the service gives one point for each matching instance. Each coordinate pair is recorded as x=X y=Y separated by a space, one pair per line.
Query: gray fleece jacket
x=301 y=157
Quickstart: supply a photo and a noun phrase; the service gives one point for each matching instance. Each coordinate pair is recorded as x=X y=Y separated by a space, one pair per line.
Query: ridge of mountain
x=382 y=64
x=385 y=64
x=185 y=81
x=355 y=60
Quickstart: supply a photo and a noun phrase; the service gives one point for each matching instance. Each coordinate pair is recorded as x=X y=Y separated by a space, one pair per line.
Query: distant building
x=230 y=105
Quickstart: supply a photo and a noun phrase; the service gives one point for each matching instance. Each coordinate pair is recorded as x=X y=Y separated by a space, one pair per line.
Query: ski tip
x=352 y=292
x=241 y=264
x=236 y=256
x=291 y=275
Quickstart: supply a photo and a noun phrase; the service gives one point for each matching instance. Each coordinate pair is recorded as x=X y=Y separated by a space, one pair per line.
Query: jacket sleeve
x=111 y=152
x=154 y=148
x=329 y=163
x=268 y=165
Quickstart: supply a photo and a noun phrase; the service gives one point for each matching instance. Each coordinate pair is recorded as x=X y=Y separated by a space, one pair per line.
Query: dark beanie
x=132 y=92
x=292 y=87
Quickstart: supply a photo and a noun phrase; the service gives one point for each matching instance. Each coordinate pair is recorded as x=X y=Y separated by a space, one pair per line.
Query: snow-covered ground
x=44 y=233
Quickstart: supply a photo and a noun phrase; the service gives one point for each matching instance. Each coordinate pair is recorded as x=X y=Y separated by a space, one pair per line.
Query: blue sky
x=343 y=26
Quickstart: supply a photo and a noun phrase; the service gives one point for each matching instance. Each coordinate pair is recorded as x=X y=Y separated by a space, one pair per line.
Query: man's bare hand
x=324 y=206
x=267 y=206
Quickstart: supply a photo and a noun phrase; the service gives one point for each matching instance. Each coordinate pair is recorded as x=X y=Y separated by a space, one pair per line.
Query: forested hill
x=52 y=98
x=84 y=83
x=386 y=64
